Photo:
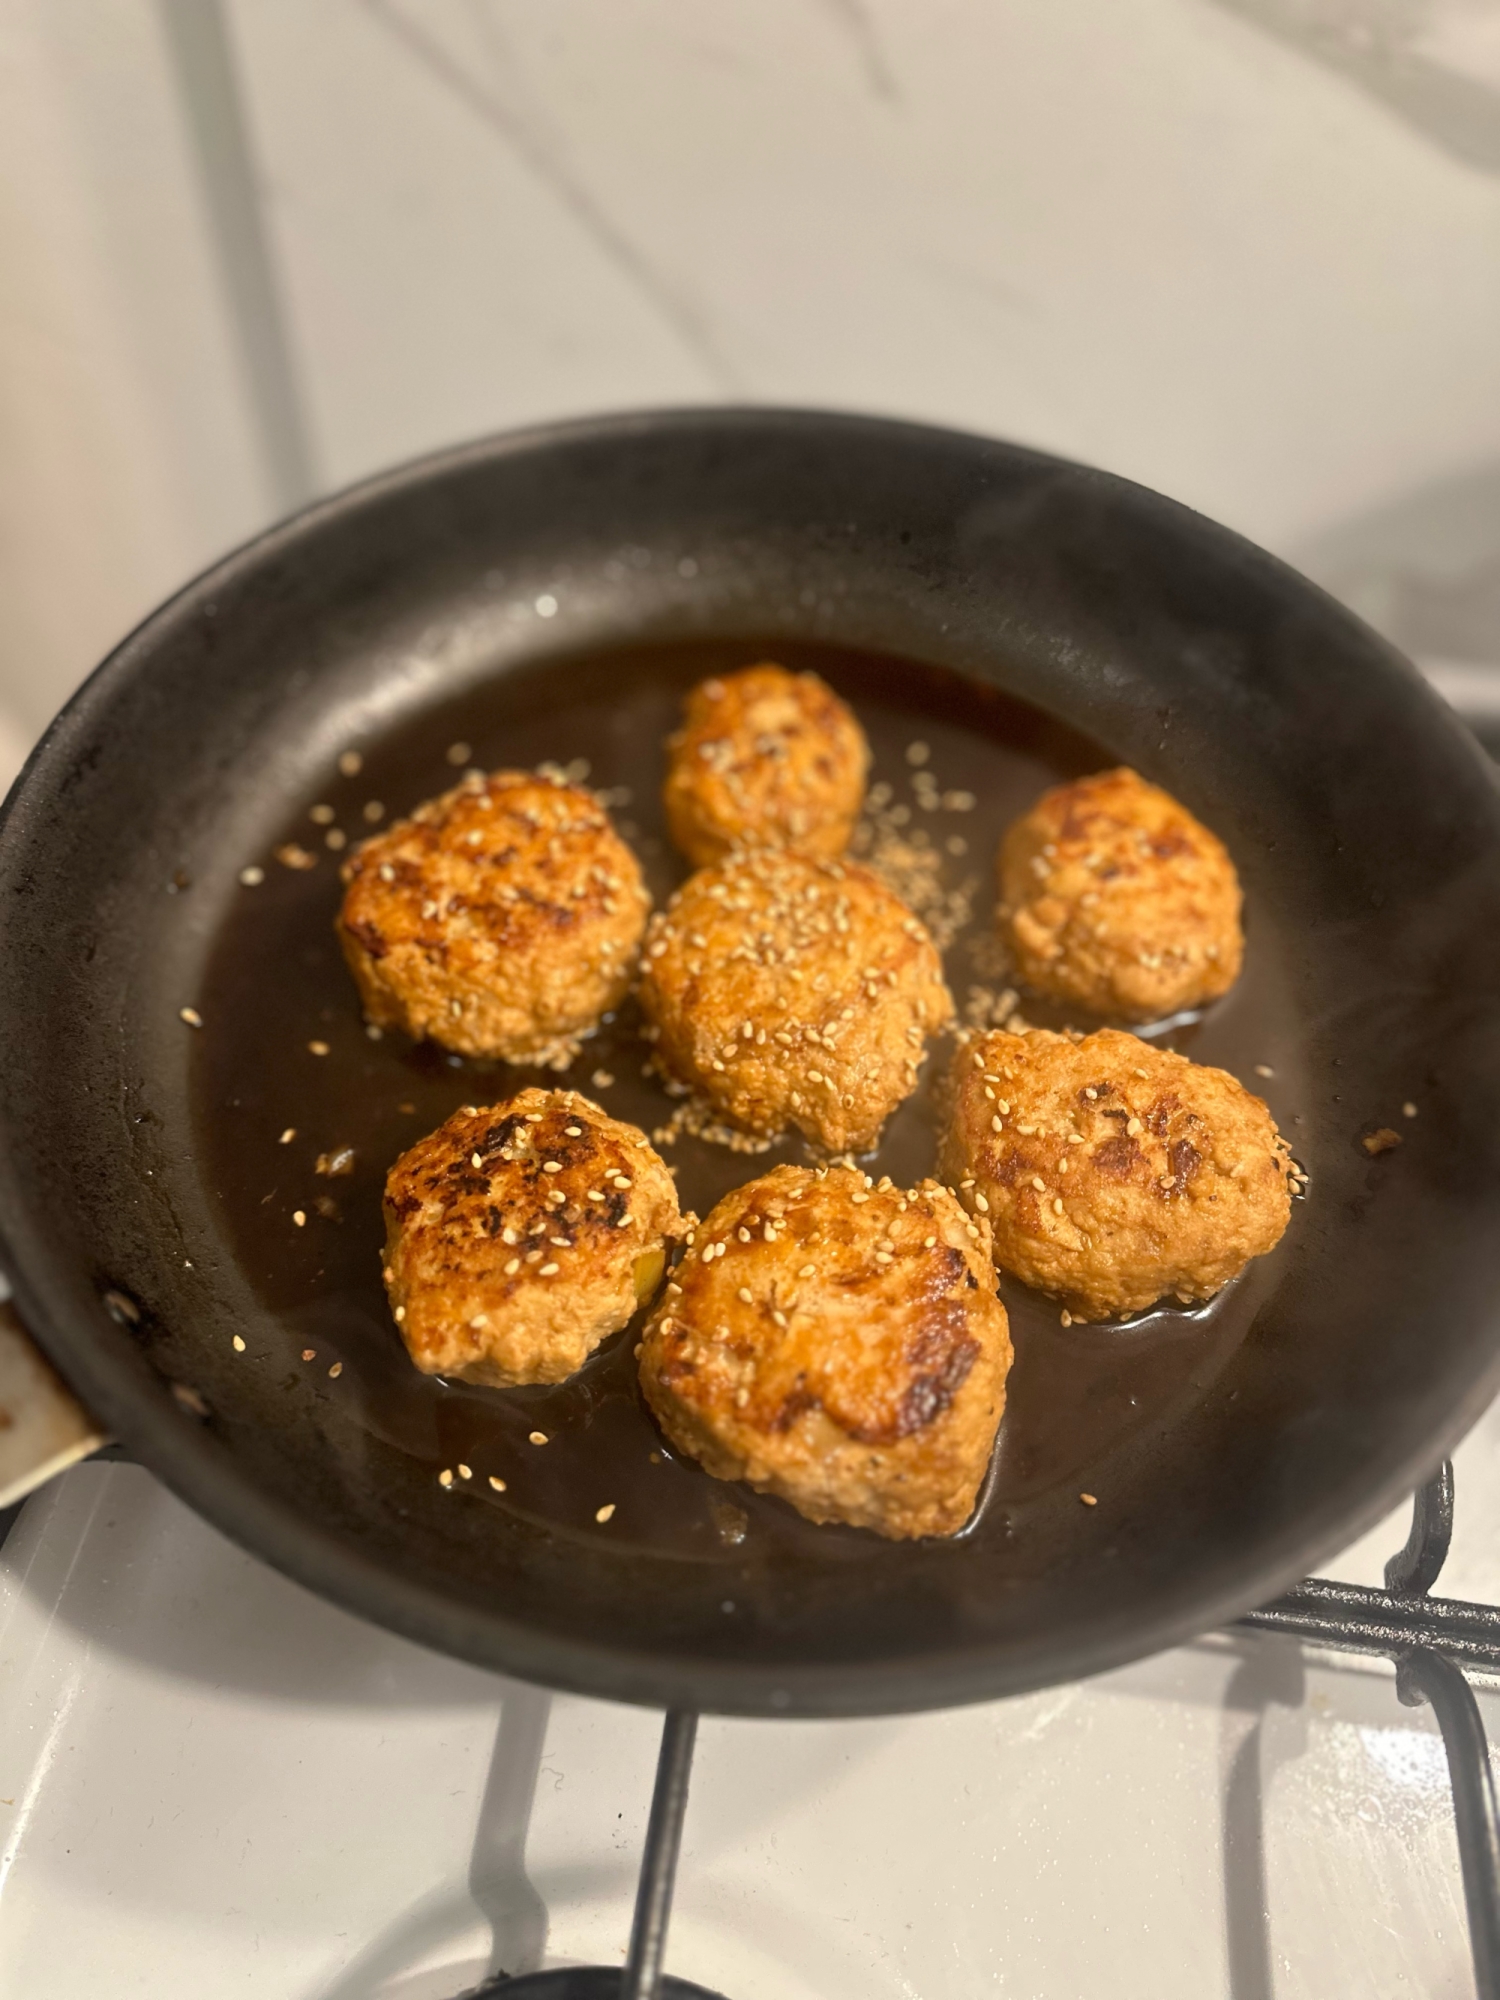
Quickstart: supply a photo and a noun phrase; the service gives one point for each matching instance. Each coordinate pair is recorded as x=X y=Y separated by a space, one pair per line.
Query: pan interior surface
x=550 y=598
x=1078 y=1394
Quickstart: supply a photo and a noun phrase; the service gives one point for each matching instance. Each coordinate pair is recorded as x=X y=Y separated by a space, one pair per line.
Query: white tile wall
x=1138 y=231
x=1248 y=252
x=126 y=456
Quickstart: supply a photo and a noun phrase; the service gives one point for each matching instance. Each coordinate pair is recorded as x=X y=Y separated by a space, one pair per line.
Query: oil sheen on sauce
x=277 y=988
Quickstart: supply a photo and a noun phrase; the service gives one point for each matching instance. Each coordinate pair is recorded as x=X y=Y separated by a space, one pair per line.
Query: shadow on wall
x=1436 y=63
x=15 y=745
x=1424 y=570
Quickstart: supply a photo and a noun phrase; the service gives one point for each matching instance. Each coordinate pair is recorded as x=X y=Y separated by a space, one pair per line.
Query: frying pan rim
x=202 y=1471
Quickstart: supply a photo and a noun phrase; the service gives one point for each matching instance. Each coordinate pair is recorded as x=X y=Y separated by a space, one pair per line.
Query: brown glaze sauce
x=277 y=983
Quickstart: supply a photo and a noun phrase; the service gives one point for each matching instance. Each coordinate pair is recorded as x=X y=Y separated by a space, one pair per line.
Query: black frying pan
x=550 y=595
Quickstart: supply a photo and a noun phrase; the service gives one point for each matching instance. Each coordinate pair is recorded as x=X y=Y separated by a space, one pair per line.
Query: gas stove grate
x=1431 y=1641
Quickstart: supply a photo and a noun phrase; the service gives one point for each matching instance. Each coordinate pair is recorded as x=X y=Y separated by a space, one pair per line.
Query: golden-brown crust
x=1115 y=898
x=789 y=990
x=838 y=1344
x=1112 y=1173
x=501 y=919
x=764 y=758
x=520 y=1235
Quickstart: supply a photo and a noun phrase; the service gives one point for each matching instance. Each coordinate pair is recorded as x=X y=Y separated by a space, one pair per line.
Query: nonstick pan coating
x=492 y=583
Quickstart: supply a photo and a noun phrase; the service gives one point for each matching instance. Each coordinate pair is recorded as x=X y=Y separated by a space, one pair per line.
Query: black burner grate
x=1430 y=1639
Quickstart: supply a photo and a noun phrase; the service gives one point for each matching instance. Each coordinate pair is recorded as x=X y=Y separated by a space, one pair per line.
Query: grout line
x=208 y=86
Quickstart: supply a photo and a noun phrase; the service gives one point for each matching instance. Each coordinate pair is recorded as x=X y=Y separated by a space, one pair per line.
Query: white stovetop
x=212 y=1784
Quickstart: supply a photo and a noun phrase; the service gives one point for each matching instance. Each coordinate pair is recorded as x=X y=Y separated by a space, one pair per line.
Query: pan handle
x=43 y=1427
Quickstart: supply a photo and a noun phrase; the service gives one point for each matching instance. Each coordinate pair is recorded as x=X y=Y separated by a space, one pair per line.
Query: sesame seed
x=445 y=1477
x=1408 y=1110
x=252 y=877
x=309 y=1354
x=399 y=1315
x=480 y=1320
x=1057 y=1207
x=317 y=1048
x=929 y=1242
x=1066 y=1316
x=513 y=1265
x=464 y=1472
x=605 y=1513
x=1264 y=1069
x=808 y=1271
x=239 y=1345
x=299 y=1216
x=458 y=753
x=336 y=1370
x=191 y=1015
x=551 y=1166
x=498 y=1484
x=538 y=1437
x=1038 y=1183
x=476 y=1160
x=745 y=1295
x=573 y=1131
x=351 y=763
x=1088 y=1499
x=549 y=1271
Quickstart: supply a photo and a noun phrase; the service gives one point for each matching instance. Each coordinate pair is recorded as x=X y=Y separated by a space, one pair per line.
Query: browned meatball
x=764 y=758
x=501 y=919
x=793 y=991
x=839 y=1344
x=1114 y=897
x=520 y=1235
x=1114 y=1174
